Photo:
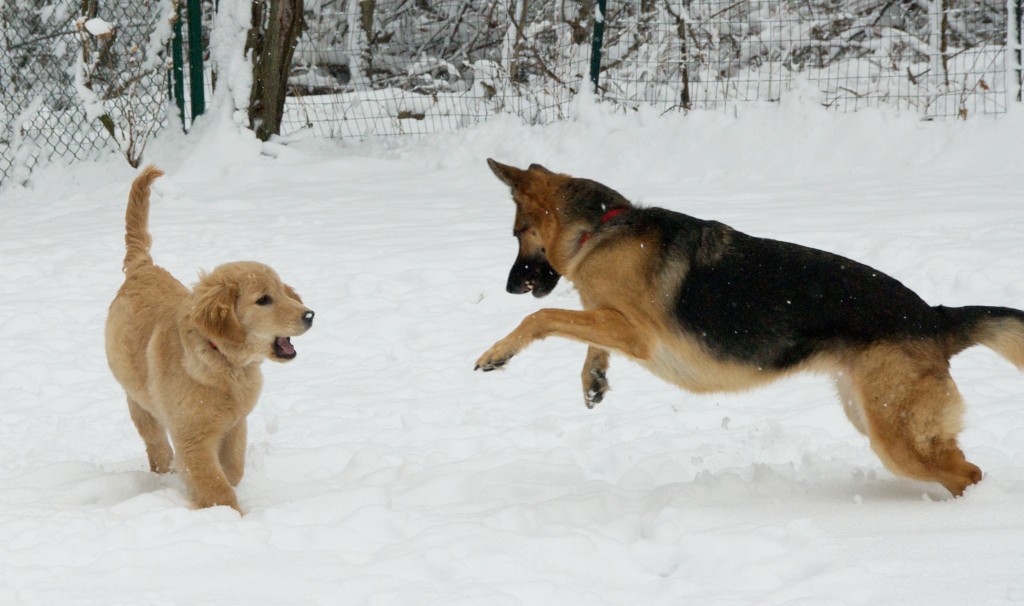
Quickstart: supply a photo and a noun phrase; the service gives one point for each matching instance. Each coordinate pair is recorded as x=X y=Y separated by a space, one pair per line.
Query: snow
x=98 y=27
x=382 y=470
x=163 y=31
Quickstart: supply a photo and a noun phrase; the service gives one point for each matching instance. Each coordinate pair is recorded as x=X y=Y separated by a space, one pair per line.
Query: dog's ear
x=213 y=310
x=540 y=169
x=509 y=175
x=288 y=290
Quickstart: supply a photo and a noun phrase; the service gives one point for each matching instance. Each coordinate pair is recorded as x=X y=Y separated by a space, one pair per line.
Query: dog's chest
x=245 y=390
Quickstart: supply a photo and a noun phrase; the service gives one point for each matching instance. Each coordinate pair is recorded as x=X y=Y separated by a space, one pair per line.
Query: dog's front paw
x=495 y=357
x=595 y=390
x=217 y=499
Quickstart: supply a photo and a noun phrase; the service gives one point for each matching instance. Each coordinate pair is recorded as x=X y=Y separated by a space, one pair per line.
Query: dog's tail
x=136 y=237
x=1001 y=329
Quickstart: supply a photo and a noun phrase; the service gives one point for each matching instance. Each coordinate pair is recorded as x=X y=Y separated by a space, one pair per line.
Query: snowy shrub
x=111 y=77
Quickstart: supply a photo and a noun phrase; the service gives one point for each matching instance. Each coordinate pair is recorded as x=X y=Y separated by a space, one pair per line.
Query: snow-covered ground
x=383 y=471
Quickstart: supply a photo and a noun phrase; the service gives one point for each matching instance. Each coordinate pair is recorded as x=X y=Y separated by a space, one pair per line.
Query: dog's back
x=776 y=304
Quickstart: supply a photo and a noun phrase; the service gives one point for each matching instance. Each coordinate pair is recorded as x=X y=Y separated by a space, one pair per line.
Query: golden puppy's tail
x=1001 y=329
x=136 y=237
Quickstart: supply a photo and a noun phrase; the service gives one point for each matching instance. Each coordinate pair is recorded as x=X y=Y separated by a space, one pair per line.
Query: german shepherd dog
x=709 y=308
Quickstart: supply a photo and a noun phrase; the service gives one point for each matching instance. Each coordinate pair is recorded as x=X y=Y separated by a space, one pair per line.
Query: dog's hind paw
x=594 y=393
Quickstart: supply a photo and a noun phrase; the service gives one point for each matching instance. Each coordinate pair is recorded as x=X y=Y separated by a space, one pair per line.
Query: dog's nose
x=307 y=318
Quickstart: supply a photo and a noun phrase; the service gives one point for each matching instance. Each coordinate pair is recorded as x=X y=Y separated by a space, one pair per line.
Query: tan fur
x=912 y=411
x=1004 y=336
x=189 y=361
x=899 y=394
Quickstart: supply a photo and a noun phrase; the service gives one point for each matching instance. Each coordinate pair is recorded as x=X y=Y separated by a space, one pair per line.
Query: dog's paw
x=487 y=363
x=594 y=393
x=495 y=357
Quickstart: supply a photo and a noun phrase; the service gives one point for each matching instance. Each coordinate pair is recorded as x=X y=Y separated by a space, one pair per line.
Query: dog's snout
x=307 y=318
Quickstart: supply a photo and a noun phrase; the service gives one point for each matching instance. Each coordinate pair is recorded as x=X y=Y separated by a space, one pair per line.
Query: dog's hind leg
x=595 y=376
x=851 y=401
x=158 y=449
x=913 y=413
x=232 y=453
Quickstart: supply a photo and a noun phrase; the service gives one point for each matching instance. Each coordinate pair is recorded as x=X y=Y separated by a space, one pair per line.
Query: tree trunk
x=272 y=43
x=359 y=32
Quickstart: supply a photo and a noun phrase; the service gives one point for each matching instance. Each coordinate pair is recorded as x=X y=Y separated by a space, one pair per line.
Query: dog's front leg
x=595 y=376
x=601 y=328
x=232 y=453
x=198 y=458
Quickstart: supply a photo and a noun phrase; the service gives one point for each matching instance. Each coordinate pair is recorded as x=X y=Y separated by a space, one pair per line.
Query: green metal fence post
x=195 y=58
x=595 y=49
x=178 y=71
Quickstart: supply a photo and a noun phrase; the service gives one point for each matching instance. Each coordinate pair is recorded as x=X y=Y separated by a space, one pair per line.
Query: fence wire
x=62 y=69
x=381 y=68
x=937 y=57
x=401 y=67
x=395 y=67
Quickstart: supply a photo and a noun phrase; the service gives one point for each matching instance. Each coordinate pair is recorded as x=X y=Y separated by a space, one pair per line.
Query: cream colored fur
x=189 y=360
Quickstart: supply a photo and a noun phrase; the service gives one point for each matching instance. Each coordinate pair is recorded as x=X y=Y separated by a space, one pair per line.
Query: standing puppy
x=189 y=361
x=708 y=308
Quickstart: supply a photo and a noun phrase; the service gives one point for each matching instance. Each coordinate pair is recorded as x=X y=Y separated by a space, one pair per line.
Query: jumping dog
x=709 y=308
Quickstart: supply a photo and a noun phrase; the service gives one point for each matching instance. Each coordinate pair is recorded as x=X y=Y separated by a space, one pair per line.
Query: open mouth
x=283 y=348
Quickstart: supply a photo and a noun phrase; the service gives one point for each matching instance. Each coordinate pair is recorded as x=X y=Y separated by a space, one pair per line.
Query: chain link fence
x=936 y=57
x=71 y=86
x=393 y=67
x=401 y=67
x=77 y=78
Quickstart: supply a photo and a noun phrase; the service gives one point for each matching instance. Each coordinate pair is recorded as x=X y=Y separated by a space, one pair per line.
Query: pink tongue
x=284 y=345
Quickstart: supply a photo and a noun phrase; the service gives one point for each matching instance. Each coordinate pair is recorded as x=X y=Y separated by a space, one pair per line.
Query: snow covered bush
x=112 y=76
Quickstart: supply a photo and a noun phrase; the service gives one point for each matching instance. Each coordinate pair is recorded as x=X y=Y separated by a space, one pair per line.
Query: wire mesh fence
x=77 y=78
x=393 y=67
x=71 y=85
x=937 y=57
x=399 y=67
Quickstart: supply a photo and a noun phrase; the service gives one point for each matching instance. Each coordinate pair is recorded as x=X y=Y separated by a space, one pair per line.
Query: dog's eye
x=264 y=300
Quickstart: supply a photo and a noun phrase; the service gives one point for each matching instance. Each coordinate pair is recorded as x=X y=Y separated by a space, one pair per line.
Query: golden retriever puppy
x=189 y=361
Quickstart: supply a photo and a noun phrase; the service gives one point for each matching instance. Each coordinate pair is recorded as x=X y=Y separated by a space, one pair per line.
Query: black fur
x=589 y=200
x=774 y=304
x=532 y=274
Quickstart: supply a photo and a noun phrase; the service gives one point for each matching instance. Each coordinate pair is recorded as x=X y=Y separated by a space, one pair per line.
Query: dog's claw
x=490 y=365
x=496 y=357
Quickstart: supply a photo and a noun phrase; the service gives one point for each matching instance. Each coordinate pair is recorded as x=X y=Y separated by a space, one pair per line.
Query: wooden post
x=272 y=46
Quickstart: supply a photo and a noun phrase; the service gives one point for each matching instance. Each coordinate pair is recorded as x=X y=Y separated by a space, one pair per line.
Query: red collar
x=604 y=219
